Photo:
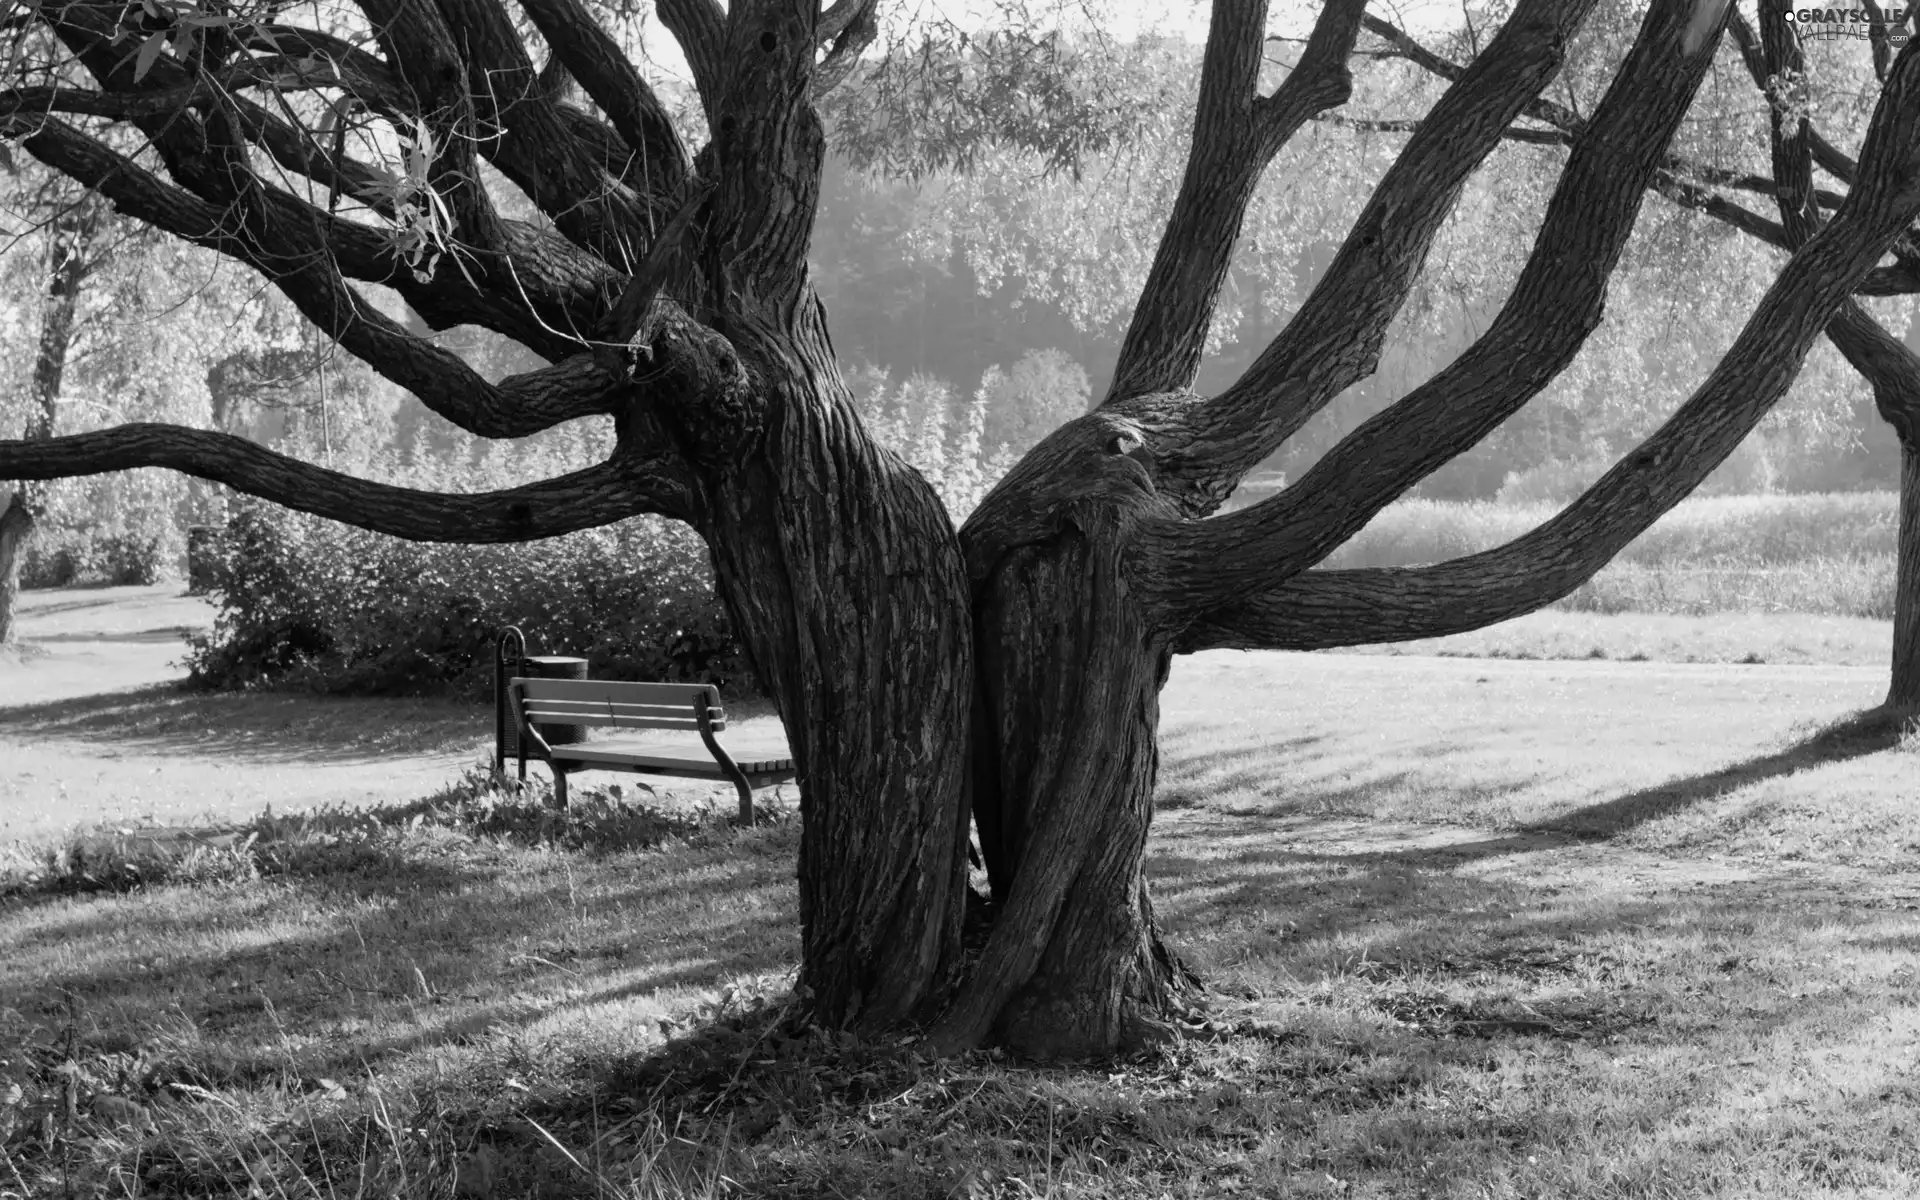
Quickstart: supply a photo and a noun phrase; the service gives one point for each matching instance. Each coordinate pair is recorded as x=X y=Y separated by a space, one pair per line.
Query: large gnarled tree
x=1008 y=671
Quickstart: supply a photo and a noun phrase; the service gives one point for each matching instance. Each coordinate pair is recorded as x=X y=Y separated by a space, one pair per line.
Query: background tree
x=1013 y=668
x=72 y=225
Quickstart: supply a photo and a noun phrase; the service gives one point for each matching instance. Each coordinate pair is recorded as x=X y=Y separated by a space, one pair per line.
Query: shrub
x=111 y=530
x=307 y=603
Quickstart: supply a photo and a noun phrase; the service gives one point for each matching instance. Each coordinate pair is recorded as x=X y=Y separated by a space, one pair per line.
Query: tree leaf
x=149 y=50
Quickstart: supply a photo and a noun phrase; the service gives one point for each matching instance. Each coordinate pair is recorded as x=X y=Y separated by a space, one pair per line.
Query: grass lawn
x=1475 y=928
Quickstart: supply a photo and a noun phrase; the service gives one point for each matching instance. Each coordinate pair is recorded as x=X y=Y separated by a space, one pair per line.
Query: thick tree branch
x=485 y=95
x=600 y=66
x=1235 y=136
x=1335 y=338
x=1556 y=304
x=835 y=19
x=700 y=26
x=599 y=495
x=628 y=317
x=1833 y=160
x=1328 y=608
x=849 y=27
x=421 y=50
x=1888 y=366
x=767 y=145
x=1884 y=361
x=288 y=252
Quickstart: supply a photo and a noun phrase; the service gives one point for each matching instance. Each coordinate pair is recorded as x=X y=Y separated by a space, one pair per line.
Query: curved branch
x=599 y=495
x=849 y=27
x=628 y=317
x=291 y=254
x=1889 y=367
x=1555 y=305
x=1680 y=179
x=1327 y=608
x=1335 y=338
x=835 y=19
x=1235 y=135
x=700 y=26
x=597 y=63
x=421 y=50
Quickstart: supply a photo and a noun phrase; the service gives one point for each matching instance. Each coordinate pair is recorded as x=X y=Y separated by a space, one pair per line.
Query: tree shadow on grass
x=1868 y=732
x=349 y=968
x=256 y=726
x=161 y=633
x=1855 y=736
x=1388 y=1003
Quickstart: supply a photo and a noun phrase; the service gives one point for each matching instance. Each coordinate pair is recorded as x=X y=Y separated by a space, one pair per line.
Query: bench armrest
x=734 y=774
x=527 y=730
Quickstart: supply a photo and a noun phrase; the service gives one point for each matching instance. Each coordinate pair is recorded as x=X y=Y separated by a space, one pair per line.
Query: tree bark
x=70 y=242
x=841 y=572
x=16 y=526
x=1070 y=677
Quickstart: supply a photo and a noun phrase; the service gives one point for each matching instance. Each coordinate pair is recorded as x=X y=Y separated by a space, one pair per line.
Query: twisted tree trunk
x=840 y=569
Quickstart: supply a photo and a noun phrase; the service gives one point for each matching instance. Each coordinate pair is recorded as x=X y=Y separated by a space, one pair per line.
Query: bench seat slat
x=676 y=712
x=608 y=691
x=628 y=715
x=635 y=756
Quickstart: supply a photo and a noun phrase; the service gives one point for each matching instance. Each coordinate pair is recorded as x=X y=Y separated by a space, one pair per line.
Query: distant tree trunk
x=70 y=239
x=1904 y=691
x=15 y=526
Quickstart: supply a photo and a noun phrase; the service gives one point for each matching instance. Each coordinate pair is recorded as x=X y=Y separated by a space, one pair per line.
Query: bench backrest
x=610 y=702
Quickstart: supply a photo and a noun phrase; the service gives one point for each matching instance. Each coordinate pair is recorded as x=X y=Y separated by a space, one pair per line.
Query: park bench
x=630 y=706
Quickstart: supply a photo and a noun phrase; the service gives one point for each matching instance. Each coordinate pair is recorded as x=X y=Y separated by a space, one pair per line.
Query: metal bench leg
x=559 y=787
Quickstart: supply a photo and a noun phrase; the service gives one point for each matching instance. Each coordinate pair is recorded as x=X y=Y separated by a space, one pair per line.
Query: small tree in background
x=1030 y=399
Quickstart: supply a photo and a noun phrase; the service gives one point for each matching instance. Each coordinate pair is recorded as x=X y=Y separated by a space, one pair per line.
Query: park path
x=93 y=731
x=90 y=732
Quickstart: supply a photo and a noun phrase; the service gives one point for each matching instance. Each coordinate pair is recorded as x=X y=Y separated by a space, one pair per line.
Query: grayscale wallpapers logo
x=1821 y=24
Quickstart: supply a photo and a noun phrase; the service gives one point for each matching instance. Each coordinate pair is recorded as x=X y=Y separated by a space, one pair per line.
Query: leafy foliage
x=306 y=603
x=951 y=96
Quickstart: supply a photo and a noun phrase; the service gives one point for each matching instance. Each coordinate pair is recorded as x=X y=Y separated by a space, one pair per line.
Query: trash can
x=557 y=666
